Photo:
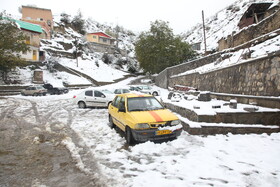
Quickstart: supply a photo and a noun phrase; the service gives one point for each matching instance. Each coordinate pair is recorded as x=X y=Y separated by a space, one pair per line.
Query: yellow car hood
x=153 y=116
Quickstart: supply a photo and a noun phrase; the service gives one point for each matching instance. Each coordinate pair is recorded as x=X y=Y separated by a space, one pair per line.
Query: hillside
x=222 y=24
x=100 y=66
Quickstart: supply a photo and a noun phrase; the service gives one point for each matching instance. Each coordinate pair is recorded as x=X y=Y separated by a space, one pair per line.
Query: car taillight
x=74 y=96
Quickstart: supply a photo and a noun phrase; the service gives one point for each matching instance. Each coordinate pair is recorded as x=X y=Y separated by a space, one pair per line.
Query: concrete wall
x=39 y=14
x=259 y=77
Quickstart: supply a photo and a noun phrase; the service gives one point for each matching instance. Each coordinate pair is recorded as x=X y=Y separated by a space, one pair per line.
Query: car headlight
x=142 y=126
x=175 y=122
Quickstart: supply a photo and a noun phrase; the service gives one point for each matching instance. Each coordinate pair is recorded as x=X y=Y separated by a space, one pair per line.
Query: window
x=122 y=104
x=104 y=40
x=89 y=93
x=118 y=91
x=143 y=104
x=28 y=40
x=98 y=94
x=94 y=37
x=116 y=102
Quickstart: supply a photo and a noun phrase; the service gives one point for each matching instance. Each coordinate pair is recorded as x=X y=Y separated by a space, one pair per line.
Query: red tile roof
x=102 y=34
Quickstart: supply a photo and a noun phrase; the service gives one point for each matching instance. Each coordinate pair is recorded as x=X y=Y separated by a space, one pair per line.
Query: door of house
x=34 y=55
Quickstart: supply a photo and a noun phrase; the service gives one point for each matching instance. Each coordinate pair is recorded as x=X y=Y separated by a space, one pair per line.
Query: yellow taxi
x=143 y=118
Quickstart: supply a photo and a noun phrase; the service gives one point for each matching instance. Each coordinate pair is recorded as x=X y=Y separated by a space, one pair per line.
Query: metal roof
x=29 y=26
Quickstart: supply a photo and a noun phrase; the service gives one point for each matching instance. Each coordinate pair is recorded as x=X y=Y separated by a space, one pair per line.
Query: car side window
x=98 y=94
x=116 y=102
x=88 y=93
x=122 y=104
x=117 y=91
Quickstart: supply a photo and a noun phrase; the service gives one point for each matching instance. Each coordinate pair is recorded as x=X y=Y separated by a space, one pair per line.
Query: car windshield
x=143 y=104
x=107 y=92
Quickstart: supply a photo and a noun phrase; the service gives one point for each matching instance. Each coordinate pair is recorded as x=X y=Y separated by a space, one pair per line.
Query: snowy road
x=103 y=156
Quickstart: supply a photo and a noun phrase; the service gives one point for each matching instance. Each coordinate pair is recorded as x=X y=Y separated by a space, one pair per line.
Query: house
x=254 y=14
x=32 y=31
x=39 y=16
x=100 y=38
x=258 y=23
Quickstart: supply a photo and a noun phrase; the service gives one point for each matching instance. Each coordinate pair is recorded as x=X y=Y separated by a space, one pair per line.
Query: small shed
x=254 y=14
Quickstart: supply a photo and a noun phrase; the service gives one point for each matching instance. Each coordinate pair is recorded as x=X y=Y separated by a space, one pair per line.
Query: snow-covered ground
x=221 y=160
x=97 y=70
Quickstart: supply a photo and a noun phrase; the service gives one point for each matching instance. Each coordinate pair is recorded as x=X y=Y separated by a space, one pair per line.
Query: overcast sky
x=134 y=15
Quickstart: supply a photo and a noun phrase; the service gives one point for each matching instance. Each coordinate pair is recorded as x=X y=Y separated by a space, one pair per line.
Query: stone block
x=251 y=109
x=233 y=104
x=204 y=96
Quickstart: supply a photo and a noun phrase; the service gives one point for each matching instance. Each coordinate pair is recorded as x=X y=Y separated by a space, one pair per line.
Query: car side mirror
x=103 y=96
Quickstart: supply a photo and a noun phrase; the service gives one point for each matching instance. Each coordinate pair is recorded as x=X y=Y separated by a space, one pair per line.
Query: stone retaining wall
x=270 y=102
x=162 y=79
x=259 y=77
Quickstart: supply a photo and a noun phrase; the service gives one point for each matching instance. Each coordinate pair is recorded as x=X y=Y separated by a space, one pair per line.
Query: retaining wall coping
x=247 y=96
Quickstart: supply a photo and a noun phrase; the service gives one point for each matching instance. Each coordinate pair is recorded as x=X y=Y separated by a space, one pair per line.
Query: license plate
x=162 y=132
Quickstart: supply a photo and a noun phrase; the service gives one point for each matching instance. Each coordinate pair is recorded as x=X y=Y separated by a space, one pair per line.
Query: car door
x=100 y=99
x=27 y=91
x=122 y=114
x=89 y=98
x=114 y=109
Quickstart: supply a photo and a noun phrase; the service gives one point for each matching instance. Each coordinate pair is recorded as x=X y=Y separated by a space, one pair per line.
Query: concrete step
x=212 y=129
x=235 y=123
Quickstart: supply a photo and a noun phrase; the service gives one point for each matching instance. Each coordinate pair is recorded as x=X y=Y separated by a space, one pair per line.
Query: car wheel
x=35 y=94
x=128 y=136
x=111 y=123
x=82 y=104
x=155 y=94
x=66 y=91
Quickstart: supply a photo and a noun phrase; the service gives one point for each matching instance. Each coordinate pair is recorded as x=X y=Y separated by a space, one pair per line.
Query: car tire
x=111 y=123
x=82 y=104
x=155 y=94
x=35 y=94
x=128 y=136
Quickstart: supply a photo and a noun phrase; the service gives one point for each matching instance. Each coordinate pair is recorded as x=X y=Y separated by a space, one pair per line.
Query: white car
x=93 y=98
x=147 y=89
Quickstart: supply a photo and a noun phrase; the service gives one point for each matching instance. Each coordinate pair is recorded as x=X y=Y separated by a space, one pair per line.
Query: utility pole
x=204 y=35
x=117 y=35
